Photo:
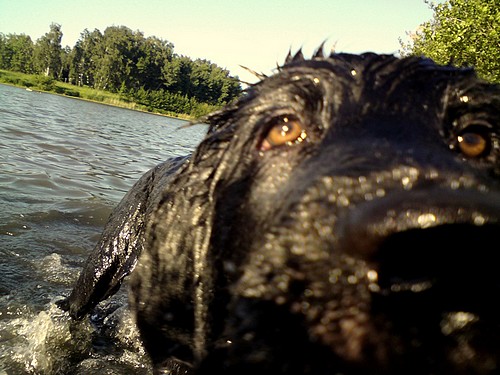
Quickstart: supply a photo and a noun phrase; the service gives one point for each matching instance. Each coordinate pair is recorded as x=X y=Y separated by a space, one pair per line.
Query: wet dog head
x=342 y=216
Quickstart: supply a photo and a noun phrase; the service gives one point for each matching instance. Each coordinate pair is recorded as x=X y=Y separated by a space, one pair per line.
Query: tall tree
x=66 y=55
x=47 y=52
x=4 y=52
x=16 y=53
x=22 y=59
x=156 y=53
x=211 y=84
x=464 y=32
x=117 y=67
x=177 y=75
x=85 y=56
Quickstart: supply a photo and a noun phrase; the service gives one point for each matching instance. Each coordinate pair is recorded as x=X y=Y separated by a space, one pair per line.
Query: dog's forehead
x=371 y=66
x=371 y=72
x=372 y=80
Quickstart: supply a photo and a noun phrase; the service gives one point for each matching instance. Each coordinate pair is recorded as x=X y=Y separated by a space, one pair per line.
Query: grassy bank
x=47 y=84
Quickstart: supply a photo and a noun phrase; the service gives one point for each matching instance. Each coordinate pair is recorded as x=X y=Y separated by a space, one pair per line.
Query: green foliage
x=15 y=78
x=463 y=32
x=166 y=102
x=71 y=92
x=17 y=52
x=45 y=83
x=47 y=52
x=122 y=61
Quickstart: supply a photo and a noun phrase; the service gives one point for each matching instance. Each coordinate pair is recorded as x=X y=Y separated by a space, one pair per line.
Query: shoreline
x=117 y=105
x=28 y=82
x=123 y=105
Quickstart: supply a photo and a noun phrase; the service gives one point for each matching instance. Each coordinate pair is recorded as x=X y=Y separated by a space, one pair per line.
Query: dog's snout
x=369 y=224
x=433 y=246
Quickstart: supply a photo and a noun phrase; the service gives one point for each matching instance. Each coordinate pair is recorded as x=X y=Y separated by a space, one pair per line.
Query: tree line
x=461 y=32
x=119 y=60
x=149 y=72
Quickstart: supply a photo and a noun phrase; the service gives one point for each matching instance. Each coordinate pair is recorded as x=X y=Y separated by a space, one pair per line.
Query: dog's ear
x=172 y=286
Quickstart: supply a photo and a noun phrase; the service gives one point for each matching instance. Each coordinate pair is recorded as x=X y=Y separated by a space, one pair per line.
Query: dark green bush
x=72 y=93
x=44 y=83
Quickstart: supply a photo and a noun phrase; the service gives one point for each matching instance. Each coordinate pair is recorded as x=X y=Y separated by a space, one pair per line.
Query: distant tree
x=4 y=56
x=223 y=87
x=22 y=53
x=66 y=54
x=75 y=60
x=85 y=56
x=210 y=83
x=176 y=75
x=464 y=32
x=117 y=66
x=6 y=51
x=16 y=53
x=202 y=80
x=22 y=60
x=155 y=55
x=199 y=80
x=47 y=52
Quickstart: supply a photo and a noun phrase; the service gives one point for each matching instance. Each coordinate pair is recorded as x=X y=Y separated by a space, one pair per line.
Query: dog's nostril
x=458 y=260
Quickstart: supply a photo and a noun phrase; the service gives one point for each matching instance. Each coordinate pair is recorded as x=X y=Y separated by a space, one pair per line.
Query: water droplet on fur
x=372 y=275
x=478 y=219
x=426 y=220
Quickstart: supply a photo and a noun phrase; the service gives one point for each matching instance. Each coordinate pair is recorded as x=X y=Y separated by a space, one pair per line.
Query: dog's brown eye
x=474 y=143
x=286 y=131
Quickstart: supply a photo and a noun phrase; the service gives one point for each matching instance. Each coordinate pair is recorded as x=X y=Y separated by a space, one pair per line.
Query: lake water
x=64 y=165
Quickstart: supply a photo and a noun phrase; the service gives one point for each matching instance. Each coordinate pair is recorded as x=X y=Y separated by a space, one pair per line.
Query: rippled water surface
x=64 y=165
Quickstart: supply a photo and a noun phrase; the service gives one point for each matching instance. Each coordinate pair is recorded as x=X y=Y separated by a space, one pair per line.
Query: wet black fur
x=369 y=248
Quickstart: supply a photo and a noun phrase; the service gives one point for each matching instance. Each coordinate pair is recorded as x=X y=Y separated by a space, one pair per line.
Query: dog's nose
x=437 y=243
x=373 y=222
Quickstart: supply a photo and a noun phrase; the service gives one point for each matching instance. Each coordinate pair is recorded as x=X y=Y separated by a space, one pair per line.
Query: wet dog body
x=341 y=217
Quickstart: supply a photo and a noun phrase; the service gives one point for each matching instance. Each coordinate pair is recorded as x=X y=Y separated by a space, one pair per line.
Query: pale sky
x=257 y=34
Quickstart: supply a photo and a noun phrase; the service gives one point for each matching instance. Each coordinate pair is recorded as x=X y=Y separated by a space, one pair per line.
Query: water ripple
x=64 y=164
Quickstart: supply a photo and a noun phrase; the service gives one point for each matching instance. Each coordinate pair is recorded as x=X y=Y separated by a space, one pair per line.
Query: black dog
x=342 y=217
